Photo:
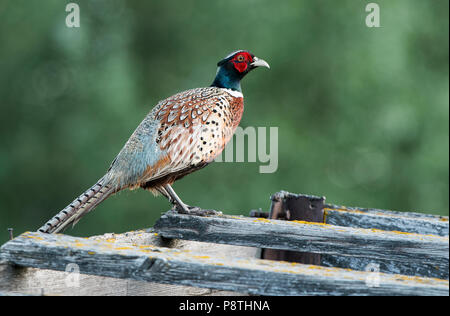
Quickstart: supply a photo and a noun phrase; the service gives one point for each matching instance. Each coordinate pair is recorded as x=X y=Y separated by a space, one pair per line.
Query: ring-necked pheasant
x=182 y=134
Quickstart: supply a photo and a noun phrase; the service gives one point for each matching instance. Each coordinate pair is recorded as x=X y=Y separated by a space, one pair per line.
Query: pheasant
x=180 y=135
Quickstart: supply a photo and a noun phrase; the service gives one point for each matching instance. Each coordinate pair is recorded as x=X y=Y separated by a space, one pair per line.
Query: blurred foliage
x=362 y=112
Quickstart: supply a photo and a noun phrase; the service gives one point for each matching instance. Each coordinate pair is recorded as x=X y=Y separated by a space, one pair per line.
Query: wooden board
x=181 y=267
x=409 y=222
x=34 y=281
x=355 y=248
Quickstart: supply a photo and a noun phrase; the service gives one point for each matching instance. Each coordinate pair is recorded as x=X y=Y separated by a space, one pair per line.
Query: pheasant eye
x=240 y=58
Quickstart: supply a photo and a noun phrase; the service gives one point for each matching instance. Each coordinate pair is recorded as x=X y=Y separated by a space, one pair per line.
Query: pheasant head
x=234 y=67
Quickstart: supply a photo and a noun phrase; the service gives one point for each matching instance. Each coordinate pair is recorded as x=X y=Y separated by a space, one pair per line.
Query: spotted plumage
x=182 y=134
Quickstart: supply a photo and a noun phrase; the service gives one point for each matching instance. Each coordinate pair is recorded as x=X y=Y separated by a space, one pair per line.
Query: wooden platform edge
x=371 y=244
x=386 y=220
x=412 y=222
x=305 y=236
x=175 y=266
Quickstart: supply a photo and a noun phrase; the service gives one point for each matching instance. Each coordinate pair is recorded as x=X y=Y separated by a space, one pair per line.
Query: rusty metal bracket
x=298 y=207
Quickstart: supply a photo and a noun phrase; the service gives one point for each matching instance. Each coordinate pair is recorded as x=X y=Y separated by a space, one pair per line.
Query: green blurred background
x=363 y=113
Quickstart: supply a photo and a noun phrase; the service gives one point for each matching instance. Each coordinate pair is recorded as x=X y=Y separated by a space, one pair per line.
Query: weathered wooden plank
x=372 y=244
x=410 y=222
x=387 y=220
x=363 y=218
x=391 y=221
x=384 y=265
x=13 y=294
x=174 y=266
x=34 y=281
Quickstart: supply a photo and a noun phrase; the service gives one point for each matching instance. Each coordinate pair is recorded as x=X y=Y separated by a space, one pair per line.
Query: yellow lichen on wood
x=260 y=219
x=123 y=248
x=325 y=214
x=201 y=257
x=34 y=237
x=308 y=223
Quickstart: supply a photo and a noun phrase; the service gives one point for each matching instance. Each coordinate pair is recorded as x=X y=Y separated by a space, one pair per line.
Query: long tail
x=73 y=212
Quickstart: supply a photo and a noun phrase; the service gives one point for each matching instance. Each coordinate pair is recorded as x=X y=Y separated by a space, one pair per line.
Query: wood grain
x=174 y=266
x=417 y=253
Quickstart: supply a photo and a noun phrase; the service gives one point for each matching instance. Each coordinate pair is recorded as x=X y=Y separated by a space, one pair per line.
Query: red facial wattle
x=240 y=66
x=240 y=61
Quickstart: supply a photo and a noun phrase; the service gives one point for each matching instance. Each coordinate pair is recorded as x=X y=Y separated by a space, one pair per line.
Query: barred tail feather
x=73 y=212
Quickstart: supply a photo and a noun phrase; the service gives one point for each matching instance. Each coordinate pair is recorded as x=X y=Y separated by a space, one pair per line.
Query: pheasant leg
x=183 y=208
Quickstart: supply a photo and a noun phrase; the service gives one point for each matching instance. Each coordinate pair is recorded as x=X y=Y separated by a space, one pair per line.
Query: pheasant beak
x=257 y=62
